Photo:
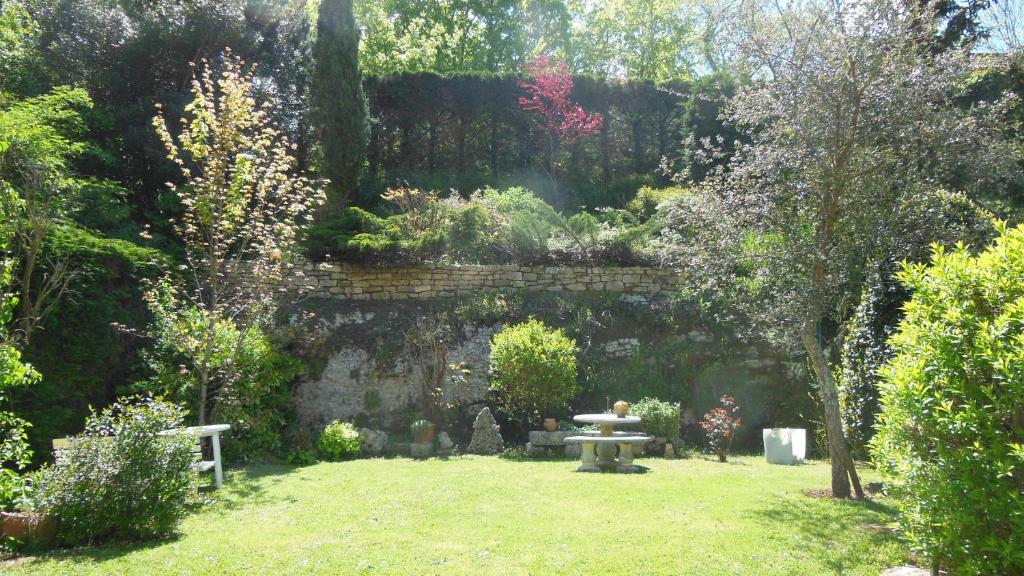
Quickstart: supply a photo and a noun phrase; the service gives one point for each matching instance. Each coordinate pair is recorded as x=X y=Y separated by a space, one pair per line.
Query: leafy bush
x=659 y=419
x=120 y=479
x=533 y=369
x=339 y=441
x=720 y=425
x=256 y=403
x=645 y=204
x=950 y=439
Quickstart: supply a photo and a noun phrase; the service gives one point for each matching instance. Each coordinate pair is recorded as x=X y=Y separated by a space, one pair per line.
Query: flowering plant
x=720 y=424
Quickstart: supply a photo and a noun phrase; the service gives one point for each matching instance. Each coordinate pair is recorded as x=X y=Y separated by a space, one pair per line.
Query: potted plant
x=551 y=424
x=22 y=521
x=422 y=431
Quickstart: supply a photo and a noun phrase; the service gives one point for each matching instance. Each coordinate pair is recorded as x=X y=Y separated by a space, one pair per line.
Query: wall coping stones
x=348 y=281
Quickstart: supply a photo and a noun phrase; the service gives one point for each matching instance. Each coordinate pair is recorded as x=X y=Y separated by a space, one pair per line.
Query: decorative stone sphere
x=621 y=408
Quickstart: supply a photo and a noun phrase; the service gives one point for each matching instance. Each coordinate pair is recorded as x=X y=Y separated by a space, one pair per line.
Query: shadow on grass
x=242 y=487
x=831 y=521
x=248 y=486
x=96 y=553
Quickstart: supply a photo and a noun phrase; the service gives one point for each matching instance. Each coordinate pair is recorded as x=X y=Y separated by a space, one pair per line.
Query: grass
x=480 y=515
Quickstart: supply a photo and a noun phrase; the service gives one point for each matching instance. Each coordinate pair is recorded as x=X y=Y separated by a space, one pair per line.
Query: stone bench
x=541 y=441
x=592 y=460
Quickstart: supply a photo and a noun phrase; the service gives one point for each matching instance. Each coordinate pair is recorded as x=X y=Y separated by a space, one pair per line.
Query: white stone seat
x=616 y=434
x=617 y=439
x=592 y=445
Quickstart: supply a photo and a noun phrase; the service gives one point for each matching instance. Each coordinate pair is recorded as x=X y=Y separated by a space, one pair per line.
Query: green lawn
x=480 y=515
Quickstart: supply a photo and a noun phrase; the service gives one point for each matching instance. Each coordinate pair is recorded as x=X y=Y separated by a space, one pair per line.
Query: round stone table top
x=606 y=419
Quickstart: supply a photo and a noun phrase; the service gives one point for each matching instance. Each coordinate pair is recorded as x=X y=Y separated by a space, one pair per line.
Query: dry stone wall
x=354 y=282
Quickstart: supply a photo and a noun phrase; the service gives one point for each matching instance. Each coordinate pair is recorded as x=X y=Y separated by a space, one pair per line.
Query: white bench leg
x=588 y=458
x=218 y=472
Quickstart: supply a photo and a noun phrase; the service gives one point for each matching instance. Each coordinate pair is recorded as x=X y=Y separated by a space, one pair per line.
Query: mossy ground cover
x=487 y=515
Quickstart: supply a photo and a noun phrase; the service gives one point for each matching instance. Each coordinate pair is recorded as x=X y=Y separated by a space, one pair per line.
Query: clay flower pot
x=621 y=408
x=27 y=526
x=550 y=424
x=427 y=436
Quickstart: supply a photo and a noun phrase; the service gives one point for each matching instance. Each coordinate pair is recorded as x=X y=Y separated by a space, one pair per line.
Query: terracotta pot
x=428 y=436
x=27 y=526
x=550 y=424
x=621 y=408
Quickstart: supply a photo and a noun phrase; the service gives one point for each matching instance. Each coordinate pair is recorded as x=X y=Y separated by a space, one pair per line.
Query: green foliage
x=120 y=479
x=864 y=352
x=950 y=438
x=14 y=373
x=19 y=35
x=339 y=441
x=533 y=370
x=658 y=418
x=491 y=226
x=256 y=404
x=338 y=110
x=468 y=134
x=645 y=204
x=86 y=347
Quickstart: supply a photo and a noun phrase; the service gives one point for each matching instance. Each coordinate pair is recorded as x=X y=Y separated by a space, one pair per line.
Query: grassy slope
x=477 y=515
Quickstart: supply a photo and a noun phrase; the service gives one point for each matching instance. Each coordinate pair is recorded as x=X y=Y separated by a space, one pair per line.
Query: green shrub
x=120 y=479
x=255 y=404
x=659 y=419
x=533 y=369
x=950 y=439
x=339 y=441
x=645 y=204
x=469 y=232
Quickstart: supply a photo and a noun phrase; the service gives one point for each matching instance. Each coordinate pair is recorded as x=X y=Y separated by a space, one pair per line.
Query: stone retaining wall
x=354 y=282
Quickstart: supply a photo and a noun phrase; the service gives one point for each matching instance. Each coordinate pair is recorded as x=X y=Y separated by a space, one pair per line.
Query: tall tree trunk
x=203 y=387
x=843 y=470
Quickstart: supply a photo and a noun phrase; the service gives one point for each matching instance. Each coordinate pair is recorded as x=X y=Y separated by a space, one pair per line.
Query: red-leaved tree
x=549 y=85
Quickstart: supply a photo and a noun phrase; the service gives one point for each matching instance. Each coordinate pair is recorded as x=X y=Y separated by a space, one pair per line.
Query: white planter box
x=786 y=446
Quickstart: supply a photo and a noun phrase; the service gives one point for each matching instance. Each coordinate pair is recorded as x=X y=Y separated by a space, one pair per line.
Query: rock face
x=374 y=441
x=486 y=435
x=353 y=377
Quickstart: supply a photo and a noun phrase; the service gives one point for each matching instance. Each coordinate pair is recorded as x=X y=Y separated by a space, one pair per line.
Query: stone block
x=418 y=450
x=545 y=438
x=573 y=450
x=535 y=451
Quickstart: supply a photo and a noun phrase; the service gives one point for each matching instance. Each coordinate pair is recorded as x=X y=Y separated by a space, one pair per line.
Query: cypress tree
x=339 y=112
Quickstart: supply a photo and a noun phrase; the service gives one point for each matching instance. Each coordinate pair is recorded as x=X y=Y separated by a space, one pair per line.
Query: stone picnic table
x=213 y=432
x=599 y=448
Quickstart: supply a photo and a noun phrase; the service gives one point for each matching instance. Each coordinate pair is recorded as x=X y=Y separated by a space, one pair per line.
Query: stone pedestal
x=588 y=459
